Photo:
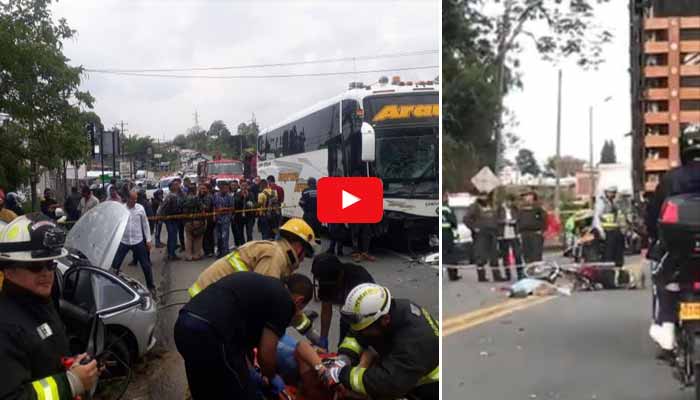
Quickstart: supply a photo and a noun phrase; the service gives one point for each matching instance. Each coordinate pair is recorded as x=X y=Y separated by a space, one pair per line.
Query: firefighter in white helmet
x=405 y=338
x=32 y=336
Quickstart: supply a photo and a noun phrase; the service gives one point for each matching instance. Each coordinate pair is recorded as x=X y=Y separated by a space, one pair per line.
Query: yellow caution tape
x=222 y=211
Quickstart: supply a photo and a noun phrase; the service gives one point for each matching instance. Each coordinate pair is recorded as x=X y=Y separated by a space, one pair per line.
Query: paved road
x=592 y=345
x=162 y=374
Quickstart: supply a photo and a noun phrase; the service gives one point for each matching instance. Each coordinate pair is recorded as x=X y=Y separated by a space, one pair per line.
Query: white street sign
x=486 y=181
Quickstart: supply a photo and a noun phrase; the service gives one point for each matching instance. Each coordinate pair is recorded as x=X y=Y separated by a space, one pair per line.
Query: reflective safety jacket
x=276 y=259
x=449 y=222
x=607 y=215
x=32 y=342
x=408 y=357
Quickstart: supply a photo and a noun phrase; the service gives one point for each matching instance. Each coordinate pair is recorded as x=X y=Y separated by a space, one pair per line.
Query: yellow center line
x=480 y=316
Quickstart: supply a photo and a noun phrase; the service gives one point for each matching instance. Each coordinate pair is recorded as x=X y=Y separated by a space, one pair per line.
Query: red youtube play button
x=350 y=200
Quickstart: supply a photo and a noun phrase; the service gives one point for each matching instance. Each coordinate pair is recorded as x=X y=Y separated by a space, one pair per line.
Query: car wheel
x=117 y=357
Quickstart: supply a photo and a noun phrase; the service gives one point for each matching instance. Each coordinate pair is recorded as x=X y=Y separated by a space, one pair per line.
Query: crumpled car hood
x=97 y=234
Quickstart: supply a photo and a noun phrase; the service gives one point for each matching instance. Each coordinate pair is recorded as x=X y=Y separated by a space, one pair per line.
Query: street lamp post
x=590 y=154
x=590 y=148
x=557 y=193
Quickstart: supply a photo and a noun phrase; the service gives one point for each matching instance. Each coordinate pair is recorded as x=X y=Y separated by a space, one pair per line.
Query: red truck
x=220 y=169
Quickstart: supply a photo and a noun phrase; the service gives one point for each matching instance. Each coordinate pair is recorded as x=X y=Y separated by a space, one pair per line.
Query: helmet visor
x=354 y=320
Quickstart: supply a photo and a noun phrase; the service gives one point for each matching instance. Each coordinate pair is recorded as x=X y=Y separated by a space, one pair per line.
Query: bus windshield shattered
x=406 y=151
x=406 y=160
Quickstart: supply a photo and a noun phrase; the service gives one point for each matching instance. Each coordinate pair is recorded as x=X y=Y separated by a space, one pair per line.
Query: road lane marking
x=480 y=316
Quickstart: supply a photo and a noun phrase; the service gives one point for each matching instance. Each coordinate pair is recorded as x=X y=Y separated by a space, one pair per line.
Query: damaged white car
x=88 y=288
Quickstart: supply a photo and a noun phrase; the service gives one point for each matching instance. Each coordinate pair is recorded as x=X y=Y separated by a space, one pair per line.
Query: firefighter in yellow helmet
x=277 y=259
x=32 y=336
x=405 y=338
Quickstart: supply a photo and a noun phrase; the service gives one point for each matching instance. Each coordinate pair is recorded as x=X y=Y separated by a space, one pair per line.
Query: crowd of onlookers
x=225 y=209
x=228 y=208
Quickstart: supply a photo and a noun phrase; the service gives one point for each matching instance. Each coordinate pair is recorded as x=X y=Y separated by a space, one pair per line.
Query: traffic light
x=90 y=129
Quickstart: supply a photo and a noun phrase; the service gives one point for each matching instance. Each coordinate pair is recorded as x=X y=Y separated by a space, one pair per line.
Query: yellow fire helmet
x=30 y=238
x=297 y=228
x=365 y=304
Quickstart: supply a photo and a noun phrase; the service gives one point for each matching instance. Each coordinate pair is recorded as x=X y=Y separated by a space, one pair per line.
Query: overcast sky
x=134 y=34
x=535 y=106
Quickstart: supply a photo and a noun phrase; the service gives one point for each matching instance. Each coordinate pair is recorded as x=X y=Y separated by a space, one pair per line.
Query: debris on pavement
x=537 y=287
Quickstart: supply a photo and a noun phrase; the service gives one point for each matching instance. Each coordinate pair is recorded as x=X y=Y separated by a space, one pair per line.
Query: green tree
x=180 y=141
x=570 y=32
x=526 y=162
x=246 y=138
x=38 y=89
x=197 y=139
x=139 y=149
x=469 y=99
x=218 y=129
x=569 y=166
x=479 y=67
x=14 y=170
x=607 y=154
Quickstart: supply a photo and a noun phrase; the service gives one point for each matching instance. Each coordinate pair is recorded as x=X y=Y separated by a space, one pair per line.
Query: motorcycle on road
x=679 y=234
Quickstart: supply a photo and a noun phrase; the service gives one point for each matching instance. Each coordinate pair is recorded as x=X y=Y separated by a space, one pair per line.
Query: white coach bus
x=388 y=130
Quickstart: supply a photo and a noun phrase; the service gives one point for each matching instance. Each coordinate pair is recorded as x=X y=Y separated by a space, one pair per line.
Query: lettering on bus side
x=407 y=111
x=300 y=186
x=288 y=176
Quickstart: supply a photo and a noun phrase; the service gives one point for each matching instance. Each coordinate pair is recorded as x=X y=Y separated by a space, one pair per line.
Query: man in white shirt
x=87 y=201
x=137 y=238
x=508 y=239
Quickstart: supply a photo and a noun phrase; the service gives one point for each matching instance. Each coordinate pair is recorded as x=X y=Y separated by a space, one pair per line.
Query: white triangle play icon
x=349 y=199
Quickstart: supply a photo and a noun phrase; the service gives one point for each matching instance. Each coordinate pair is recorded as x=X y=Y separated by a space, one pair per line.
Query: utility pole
x=122 y=131
x=590 y=153
x=114 y=151
x=196 y=119
x=557 y=192
x=590 y=148
x=102 y=159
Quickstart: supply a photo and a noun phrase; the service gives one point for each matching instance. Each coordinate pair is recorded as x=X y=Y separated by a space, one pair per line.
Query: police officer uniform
x=606 y=221
x=449 y=226
x=532 y=222
x=481 y=218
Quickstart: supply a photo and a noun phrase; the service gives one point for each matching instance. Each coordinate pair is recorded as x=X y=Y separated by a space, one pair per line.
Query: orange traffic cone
x=511 y=256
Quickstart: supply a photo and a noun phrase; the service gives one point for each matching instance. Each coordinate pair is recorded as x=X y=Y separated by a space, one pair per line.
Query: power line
x=268 y=76
x=281 y=64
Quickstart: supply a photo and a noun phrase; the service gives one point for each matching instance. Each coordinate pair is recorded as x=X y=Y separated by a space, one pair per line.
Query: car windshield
x=231 y=168
x=406 y=160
